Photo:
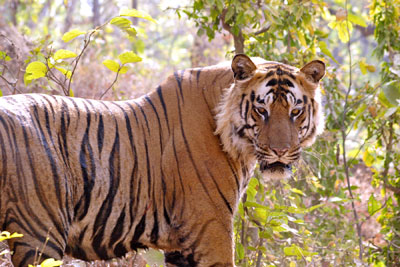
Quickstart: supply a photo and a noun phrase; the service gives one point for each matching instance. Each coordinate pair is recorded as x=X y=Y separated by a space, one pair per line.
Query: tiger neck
x=227 y=119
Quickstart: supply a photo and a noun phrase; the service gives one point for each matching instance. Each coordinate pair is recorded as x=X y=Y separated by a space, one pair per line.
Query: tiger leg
x=182 y=259
x=33 y=248
x=209 y=245
x=176 y=258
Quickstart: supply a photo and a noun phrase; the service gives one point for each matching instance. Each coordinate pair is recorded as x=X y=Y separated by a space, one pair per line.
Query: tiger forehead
x=278 y=71
x=277 y=80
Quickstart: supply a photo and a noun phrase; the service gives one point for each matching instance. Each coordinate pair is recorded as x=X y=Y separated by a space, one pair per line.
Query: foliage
x=4 y=235
x=48 y=263
x=57 y=60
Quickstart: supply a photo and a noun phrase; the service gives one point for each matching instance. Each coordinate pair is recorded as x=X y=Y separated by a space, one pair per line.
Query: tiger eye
x=261 y=110
x=295 y=112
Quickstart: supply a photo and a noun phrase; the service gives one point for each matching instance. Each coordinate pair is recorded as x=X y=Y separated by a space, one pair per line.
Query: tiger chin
x=97 y=179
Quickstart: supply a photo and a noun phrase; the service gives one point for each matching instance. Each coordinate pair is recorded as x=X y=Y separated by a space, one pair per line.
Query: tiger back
x=101 y=178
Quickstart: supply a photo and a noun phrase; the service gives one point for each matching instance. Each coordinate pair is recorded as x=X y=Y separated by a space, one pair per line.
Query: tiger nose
x=280 y=151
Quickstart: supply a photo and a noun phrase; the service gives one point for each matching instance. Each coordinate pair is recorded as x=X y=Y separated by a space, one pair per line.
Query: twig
x=86 y=44
x=344 y=136
x=264 y=29
x=12 y=85
x=259 y=254
x=389 y=148
x=373 y=213
x=115 y=80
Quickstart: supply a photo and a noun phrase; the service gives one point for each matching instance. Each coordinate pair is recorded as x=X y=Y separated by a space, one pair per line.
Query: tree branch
x=238 y=40
x=389 y=149
x=344 y=137
x=264 y=29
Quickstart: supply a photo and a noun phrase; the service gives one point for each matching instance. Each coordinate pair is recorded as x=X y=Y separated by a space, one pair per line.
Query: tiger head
x=270 y=113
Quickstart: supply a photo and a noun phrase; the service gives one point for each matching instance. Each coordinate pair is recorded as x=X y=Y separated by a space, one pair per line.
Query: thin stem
x=112 y=84
x=344 y=136
x=86 y=44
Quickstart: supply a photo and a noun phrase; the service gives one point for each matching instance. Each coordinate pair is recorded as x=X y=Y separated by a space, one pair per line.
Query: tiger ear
x=314 y=70
x=242 y=67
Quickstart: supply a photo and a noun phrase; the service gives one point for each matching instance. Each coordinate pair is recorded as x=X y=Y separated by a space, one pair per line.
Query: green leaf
x=125 y=25
x=324 y=49
x=121 y=22
x=129 y=57
x=124 y=69
x=1 y=92
x=35 y=70
x=4 y=56
x=111 y=65
x=229 y=14
x=368 y=158
x=62 y=54
x=260 y=214
x=357 y=19
x=137 y=14
x=72 y=34
x=297 y=251
x=51 y=263
x=240 y=251
x=4 y=235
x=67 y=73
x=373 y=205
x=310 y=209
x=297 y=191
x=392 y=92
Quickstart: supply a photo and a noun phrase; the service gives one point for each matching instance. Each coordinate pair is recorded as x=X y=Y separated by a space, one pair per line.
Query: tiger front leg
x=207 y=245
x=33 y=249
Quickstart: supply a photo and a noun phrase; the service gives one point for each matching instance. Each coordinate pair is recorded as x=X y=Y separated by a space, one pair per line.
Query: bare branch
x=112 y=84
x=344 y=137
x=264 y=29
x=238 y=39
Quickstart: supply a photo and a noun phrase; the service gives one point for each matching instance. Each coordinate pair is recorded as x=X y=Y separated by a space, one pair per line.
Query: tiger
x=96 y=179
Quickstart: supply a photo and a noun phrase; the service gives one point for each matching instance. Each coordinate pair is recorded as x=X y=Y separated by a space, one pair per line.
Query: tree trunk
x=134 y=5
x=238 y=40
x=96 y=13
x=70 y=12
x=14 y=8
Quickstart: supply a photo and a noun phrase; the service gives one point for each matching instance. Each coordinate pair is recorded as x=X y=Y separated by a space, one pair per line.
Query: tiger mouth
x=275 y=166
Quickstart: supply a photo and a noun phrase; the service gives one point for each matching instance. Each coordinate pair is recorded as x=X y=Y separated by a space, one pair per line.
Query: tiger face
x=274 y=111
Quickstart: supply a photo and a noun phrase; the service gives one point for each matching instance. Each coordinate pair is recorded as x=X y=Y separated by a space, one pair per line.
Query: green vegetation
x=342 y=206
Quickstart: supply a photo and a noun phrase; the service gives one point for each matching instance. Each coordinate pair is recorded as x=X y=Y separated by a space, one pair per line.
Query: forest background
x=342 y=206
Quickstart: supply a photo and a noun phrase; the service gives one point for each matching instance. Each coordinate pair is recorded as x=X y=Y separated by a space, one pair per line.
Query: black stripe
x=158 y=119
x=160 y=96
x=117 y=231
x=144 y=116
x=179 y=81
x=219 y=191
x=139 y=230
x=154 y=231
x=87 y=163
x=269 y=74
x=107 y=205
x=272 y=82
x=100 y=133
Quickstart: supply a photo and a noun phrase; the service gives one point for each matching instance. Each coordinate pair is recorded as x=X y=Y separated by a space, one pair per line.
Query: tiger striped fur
x=166 y=171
